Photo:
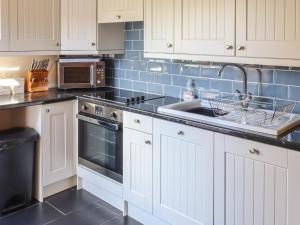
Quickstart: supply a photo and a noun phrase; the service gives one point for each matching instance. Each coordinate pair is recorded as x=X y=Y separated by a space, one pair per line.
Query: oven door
x=100 y=146
x=76 y=75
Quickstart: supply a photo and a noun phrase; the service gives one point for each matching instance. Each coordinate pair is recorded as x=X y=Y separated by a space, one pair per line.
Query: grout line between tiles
x=51 y=205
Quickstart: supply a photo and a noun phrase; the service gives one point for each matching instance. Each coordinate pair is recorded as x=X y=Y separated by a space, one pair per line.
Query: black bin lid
x=18 y=136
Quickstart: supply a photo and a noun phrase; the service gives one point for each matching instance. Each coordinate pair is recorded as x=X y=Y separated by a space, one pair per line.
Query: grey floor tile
x=108 y=206
x=37 y=214
x=90 y=215
x=71 y=200
x=122 y=221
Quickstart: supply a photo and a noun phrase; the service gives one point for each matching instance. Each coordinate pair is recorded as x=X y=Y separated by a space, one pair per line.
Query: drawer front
x=257 y=151
x=138 y=122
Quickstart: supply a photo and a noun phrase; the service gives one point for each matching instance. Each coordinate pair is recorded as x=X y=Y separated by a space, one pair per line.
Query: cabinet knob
x=47 y=110
x=229 y=47
x=137 y=121
x=254 y=151
x=240 y=48
x=148 y=142
x=118 y=17
x=93 y=44
x=57 y=44
x=180 y=133
x=169 y=45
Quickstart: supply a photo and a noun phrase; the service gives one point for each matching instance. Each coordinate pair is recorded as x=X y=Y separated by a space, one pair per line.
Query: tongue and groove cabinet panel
x=4 y=30
x=205 y=27
x=114 y=11
x=34 y=25
x=79 y=25
x=268 y=28
x=159 y=26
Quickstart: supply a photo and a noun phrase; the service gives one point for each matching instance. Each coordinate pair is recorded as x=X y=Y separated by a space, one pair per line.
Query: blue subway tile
x=180 y=81
x=133 y=55
x=140 y=65
x=128 y=45
x=128 y=26
x=155 y=88
x=112 y=82
x=132 y=35
x=163 y=78
x=138 y=45
x=232 y=74
x=147 y=77
x=141 y=35
x=138 y=25
x=190 y=70
x=139 y=86
x=209 y=72
x=132 y=75
x=222 y=85
x=172 y=68
x=294 y=93
x=126 y=84
x=172 y=91
x=287 y=77
x=155 y=67
x=252 y=87
x=120 y=73
x=202 y=83
x=125 y=64
x=260 y=75
x=274 y=91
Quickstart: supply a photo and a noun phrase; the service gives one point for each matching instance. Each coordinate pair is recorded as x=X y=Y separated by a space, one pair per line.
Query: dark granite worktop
x=290 y=140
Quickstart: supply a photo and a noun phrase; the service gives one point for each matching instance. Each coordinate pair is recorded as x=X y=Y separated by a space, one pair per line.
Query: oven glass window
x=101 y=146
x=77 y=75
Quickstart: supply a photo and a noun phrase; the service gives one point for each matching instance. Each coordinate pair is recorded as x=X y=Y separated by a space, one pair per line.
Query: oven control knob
x=114 y=115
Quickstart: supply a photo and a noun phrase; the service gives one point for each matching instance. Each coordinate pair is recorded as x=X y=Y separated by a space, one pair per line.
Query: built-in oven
x=81 y=73
x=100 y=143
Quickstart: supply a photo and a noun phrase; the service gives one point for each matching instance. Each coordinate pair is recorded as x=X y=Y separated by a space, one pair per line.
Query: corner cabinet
x=79 y=25
x=4 y=30
x=182 y=174
x=115 y=11
x=34 y=25
x=57 y=142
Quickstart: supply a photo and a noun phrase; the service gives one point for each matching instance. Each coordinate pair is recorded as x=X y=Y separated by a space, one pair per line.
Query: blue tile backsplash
x=166 y=77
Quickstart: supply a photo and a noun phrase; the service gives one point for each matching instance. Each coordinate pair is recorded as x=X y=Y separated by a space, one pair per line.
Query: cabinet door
x=268 y=28
x=57 y=139
x=205 y=27
x=159 y=26
x=256 y=192
x=113 y=11
x=79 y=25
x=4 y=35
x=138 y=169
x=183 y=174
x=34 y=25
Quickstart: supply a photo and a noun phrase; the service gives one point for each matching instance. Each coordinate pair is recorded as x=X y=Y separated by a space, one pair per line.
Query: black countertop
x=290 y=140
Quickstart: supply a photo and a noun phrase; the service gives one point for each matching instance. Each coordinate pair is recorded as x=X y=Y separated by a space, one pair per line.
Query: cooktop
x=120 y=96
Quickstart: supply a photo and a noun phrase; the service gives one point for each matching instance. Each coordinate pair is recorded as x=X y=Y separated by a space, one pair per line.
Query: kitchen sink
x=262 y=120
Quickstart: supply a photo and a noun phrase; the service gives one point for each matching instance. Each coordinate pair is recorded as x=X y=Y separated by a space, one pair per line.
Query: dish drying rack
x=251 y=112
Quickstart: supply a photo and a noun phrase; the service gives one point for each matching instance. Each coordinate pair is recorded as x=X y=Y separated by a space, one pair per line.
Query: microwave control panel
x=100 y=74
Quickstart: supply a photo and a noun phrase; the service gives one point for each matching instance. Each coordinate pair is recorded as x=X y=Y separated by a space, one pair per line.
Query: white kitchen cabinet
x=159 y=26
x=114 y=11
x=204 y=27
x=4 y=35
x=79 y=25
x=34 y=25
x=268 y=29
x=138 y=169
x=182 y=174
x=58 y=142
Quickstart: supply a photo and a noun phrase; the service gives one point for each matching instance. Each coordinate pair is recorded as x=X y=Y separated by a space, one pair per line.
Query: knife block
x=37 y=81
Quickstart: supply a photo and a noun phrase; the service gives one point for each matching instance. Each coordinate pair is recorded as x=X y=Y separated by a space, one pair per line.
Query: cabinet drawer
x=257 y=151
x=138 y=122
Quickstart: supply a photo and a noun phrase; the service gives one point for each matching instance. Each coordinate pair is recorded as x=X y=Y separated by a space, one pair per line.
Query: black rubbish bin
x=17 y=152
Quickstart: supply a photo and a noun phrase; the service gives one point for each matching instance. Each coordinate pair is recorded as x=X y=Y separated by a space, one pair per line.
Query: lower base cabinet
x=58 y=142
x=182 y=174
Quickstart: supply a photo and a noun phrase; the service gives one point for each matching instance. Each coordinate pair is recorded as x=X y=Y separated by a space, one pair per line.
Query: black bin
x=17 y=153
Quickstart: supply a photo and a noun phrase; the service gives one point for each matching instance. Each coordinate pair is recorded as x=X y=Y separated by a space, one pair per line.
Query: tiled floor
x=70 y=207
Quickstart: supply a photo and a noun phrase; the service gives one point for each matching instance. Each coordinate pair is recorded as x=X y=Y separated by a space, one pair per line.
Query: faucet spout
x=245 y=77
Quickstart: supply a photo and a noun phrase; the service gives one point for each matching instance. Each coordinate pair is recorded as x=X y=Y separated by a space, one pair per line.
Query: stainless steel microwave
x=81 y=73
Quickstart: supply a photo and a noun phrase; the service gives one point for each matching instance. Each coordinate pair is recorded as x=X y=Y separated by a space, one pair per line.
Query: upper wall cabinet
x=268 y=28
x=204 y=27
x=4 y=35
x=112 y=11
x=79 y=25
x=159 y=26
x=34 y=25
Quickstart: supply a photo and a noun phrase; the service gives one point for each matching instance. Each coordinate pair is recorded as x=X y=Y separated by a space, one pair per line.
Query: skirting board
x=104 y=188
x=59 y=186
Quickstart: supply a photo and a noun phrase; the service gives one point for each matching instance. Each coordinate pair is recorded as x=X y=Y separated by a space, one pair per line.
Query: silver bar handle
x=99 y=122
